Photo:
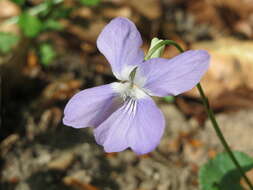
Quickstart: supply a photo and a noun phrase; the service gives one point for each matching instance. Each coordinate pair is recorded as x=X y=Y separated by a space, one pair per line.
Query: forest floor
x=38 y=152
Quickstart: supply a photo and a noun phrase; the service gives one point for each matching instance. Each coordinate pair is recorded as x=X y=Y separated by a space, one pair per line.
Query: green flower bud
x=159 y=51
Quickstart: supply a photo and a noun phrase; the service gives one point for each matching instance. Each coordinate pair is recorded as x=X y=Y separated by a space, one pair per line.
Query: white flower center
x=131 y=87
x=129 y=90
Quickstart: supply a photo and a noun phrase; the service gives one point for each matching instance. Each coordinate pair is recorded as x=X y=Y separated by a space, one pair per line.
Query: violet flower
x=123 y=114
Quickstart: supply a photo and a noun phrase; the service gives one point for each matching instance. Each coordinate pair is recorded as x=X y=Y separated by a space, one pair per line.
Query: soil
x=38 y=152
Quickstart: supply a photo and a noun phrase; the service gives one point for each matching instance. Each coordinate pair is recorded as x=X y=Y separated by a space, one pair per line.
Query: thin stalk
x=220 y=135
x=209 y=112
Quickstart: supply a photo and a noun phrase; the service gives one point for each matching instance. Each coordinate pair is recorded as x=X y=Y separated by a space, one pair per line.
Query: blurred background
x=48 y=53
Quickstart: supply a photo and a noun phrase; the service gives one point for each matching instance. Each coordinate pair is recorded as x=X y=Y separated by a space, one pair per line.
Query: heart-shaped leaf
x=220 y=173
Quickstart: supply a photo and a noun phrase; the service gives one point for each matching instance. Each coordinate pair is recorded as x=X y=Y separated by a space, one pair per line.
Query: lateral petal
x=90 y=107
x=174 y=76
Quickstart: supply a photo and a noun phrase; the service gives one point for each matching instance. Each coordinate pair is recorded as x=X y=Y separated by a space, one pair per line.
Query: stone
x=62 y=162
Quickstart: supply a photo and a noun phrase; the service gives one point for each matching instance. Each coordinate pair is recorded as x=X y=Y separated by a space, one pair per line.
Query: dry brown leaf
x=88 y=34
x=32 y=59
x=117 y=12
x=174 y=145
x=195 y=143
x=224 y=15
x=212 y=153
x=61 y=90
x=246 y=6
x=83 y=12
x=8 y=143
x=79 y=185
x=62 y=162
x=148 y=8
x=8 y=9
x=112 y=154
x=231 y=66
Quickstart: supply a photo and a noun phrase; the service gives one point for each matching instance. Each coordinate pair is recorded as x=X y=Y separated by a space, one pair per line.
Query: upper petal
x=91 y=107
x=138 y=124
x=174 y=76
x=120 y=42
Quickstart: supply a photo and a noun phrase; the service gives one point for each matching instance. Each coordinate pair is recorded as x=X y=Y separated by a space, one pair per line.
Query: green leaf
x=61 y=12
x=52 y=24
x=220 y=173
x=47 y=53
x=44 y=8
x=19 y=2
x=7 y=41
x=31 y=25
x=90 y=2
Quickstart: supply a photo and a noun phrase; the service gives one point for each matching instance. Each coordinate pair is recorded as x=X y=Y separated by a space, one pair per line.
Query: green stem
x=220 y=135
x=209 y=112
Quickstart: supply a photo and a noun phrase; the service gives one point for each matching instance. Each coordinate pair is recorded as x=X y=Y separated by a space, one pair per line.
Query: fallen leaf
x=152 y=9
x=8 y=9
x=230 y=68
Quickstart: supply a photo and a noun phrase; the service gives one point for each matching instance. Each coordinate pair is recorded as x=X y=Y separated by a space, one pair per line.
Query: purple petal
x=138 y=124
x=91 y=107
x=174 y=76
x=120 y=42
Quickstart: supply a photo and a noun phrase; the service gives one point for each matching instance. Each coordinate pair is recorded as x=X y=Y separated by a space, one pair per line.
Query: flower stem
x=220 y=135
x=209 y=112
